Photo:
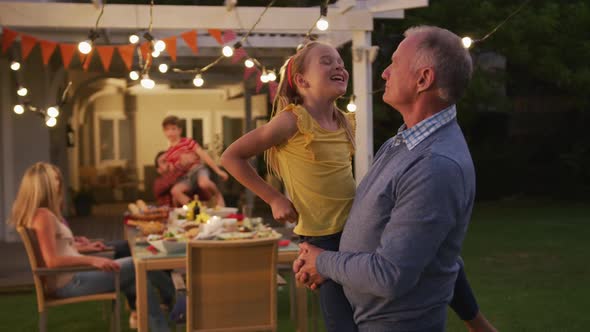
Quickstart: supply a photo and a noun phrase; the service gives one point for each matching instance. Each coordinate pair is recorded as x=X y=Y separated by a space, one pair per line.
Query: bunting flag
x=67 y=53
x=126 y=53
x=239 y=54
x=27 y=43
x=8 y=37
x=145 y=50
x=87 y=60
x=258 y=83
x=47 y=49
x=190 y=38
x=249 y=71
x=229 y=35
x=171 y=47
x=216 y=33
x=272 y=89
x=105 y=53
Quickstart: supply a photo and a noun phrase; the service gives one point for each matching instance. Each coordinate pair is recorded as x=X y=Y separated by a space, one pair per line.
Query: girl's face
x=323 y=74
x=57 y=181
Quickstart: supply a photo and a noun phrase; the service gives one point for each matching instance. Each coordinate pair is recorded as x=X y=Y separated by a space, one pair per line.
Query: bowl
x=167 y=246
x=221 y=211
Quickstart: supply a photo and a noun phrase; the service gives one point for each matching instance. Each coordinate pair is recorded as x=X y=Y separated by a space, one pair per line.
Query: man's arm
x=207 y=159
x=430 y=198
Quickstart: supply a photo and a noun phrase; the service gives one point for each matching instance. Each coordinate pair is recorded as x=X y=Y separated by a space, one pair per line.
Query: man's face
x=400 y=78
x=172 y=132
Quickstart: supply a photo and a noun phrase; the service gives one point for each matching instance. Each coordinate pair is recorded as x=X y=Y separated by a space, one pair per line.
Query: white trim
x=204 y=115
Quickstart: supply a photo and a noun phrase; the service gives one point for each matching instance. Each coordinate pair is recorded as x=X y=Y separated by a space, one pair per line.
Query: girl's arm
x=44 y=226
x=236 y=156
x=207 y=159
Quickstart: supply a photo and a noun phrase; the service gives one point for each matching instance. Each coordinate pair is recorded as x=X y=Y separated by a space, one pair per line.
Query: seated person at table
x=167 y=179
x=186 y=156
x=38 y=206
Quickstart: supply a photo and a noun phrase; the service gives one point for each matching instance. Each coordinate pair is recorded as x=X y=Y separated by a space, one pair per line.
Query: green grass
x=527 y=262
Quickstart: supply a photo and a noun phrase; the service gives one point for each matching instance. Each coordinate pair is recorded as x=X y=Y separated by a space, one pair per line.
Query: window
x=113 y=139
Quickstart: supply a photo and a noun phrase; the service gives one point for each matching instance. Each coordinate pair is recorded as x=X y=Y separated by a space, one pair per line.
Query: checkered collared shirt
x=413 y=136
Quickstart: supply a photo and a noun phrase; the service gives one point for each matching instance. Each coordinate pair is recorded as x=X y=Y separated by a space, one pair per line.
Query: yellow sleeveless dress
x=316 y=168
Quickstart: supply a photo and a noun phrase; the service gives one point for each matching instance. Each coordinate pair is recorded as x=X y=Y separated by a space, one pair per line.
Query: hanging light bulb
x=147 y=82
x=322 y=24
x=467 y=42
x=264 y=77
x=22 y=91
x=351 y=107
x=249 y=63
x=159 y=45
x=51 y=122
x=133 y=39
x=198 y=81
x=15 y=65
x=271 y=75
x=155 y=53
x=227 y=51
x=85 y=46
x=53 y=111
x=19 y=109
x=134 y=75
x=163 y=68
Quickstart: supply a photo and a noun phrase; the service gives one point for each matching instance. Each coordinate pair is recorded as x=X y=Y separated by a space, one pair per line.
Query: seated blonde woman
x=38 y=207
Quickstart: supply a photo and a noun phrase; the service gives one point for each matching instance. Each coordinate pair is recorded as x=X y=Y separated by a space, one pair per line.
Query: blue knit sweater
x=400 y=246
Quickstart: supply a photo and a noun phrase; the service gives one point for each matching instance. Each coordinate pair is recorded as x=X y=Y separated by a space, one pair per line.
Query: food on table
x=196 y=212
x=148 y=227
x=133 y=208
x=141 y=205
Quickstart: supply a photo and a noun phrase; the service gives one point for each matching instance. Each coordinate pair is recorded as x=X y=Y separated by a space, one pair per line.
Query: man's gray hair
x=444 y=51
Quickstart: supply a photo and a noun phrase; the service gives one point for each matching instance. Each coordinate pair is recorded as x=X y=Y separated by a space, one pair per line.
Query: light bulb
x=85 y=46
x=198 y=81
x=322 y=24
x=22 y=91
x=15 y=65
x=147 y=82
x=159 y=45
x=227 y=51
x=271 y=76
x=249 y=63
x=19 y=109
x=163 y=68
x=467 y=42
x=53 y=111
x=155 y=53
x=134 y=75
x=133 y=39
x=51 y=122
x=351 y=107
x=264 y=78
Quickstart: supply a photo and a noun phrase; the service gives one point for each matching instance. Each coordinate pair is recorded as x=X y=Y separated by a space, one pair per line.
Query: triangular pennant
x=171 y=47
x=105 y=53
x=216 y=33
x=27 y=43
x=229 y=35
x=249 y=71
x=258 y=83
x=272 y=89
x=239 y=54
x=87 y=60
x=47 y=49
x=67 y=53
x=190 y=38
x=8 y=37
x=126 y=53
x=145 y=50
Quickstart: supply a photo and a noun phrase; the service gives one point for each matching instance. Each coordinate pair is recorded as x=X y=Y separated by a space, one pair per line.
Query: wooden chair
x=232 y=285
x=45 y=301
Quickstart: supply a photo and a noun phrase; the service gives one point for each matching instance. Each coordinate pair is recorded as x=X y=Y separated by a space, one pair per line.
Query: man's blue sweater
x=400 y=246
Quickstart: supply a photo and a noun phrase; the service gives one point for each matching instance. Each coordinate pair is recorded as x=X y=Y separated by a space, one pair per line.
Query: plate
x=236 y=235
x=221 y=211
x=169 y=246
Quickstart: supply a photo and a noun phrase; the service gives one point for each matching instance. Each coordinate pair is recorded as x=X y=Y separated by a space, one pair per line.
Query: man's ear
x=300 y=81
x=426 y=78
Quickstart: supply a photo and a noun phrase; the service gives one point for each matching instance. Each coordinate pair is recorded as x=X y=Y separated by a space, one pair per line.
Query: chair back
x=231 y=285
x=29 y=239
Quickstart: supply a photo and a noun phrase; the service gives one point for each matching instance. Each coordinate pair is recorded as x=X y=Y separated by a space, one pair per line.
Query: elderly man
x=399 y=252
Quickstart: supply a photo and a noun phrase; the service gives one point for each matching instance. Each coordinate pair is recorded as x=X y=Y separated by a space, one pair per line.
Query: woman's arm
x=236 y=156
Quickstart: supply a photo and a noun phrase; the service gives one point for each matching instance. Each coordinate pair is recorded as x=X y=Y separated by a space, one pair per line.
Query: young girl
x=38 y=207
x=309 y=144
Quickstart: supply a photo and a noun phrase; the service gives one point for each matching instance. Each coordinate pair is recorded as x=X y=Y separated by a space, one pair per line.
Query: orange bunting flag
x=249 y=71
x=145 y=50
x=67 y=53
x=239 y=54
x=171 y=47
x=216 y=33
x=87 y=60
x=229 y=35
x=272 y=89
x=8 y=37
x=105 y=53
x=27 y=43
x=47 y=49
x=190 y=38
x=258 y=82
x=126 y=53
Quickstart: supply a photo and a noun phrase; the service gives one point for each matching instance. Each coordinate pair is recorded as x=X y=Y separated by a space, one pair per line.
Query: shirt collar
x=415 y=135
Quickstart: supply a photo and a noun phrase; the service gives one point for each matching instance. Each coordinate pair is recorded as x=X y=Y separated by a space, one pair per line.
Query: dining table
x=146 y=259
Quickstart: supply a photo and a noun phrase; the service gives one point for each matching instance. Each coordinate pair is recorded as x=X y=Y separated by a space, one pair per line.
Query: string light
x=133 y=39
x=15 y=65
x=198 y=81
x=22 y=91
x=163 y=68
x=159 y=45
x=53 y=112
x=85 y=46
x=249 y=63
x=51 y=122
x=155 y=53
x=322 y=23
x=147 y=82
x=134 y=75
x=271 y=75
x=467 y=42
x=19 y=109
x=351 y=107
x=264 y=77
x=227 y=51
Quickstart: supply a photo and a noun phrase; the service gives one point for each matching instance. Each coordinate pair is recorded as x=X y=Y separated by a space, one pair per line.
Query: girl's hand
x=105 y=264
x=283 y=210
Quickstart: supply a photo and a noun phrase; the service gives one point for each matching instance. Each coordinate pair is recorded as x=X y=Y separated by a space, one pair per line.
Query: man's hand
x=283 y=210
x=305 y=266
